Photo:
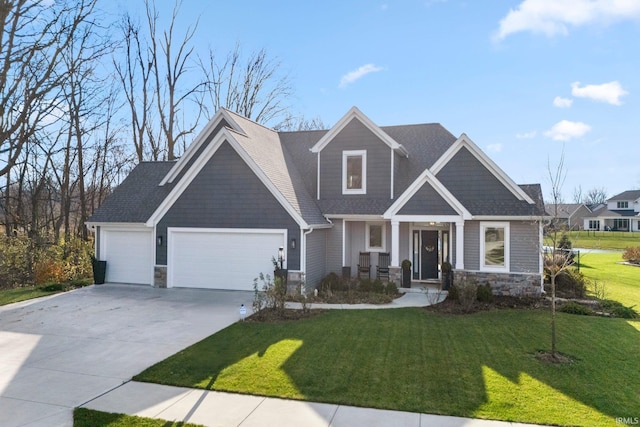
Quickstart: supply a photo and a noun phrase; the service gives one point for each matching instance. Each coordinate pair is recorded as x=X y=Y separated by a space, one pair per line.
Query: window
x=594 y=224
x=494 y=246
x=621 y=224
x=354 y=172
x=623 y=205
x=376 y=237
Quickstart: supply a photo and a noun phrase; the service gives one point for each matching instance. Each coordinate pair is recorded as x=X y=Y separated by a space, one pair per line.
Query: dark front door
x=429 y=254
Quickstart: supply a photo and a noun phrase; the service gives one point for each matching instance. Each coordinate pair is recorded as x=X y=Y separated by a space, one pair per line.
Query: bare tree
x=577 y=194
x=293 y=123
x=556 y=259
x=255 y=88
x=596 y=196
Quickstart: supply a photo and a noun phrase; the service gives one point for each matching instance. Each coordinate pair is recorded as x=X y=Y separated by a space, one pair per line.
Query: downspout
x=303 y=252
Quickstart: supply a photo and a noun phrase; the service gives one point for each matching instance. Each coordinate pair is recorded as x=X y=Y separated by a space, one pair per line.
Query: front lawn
x=83 y=417
x=9 y=296
x=481 y=365
x=616 y=240
x=621 y=282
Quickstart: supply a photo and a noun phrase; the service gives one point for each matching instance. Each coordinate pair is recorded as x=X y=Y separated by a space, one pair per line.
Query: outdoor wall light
x=159 y=239
x=293 y=243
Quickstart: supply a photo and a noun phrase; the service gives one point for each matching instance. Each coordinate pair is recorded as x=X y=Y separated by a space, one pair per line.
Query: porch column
x=395 y=243
x=459 y=245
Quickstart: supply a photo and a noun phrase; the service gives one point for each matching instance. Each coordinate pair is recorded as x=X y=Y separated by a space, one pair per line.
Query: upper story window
x=623 y=205
x=354 y=172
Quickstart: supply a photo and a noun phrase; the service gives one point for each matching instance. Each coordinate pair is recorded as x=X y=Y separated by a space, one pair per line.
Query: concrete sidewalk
x=213 y=408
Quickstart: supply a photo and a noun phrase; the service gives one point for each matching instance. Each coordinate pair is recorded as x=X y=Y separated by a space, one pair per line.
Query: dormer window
x=354 y=172
x=623 y=205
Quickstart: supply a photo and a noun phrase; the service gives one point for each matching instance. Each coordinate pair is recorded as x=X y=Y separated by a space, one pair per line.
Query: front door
x=429 y=254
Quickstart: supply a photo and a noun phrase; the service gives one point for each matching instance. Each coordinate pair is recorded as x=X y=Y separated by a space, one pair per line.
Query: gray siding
x=474 y=185
x=525 y=247
x=316 y=263
x=427 y=201
x=227 y=194
x=472 y=245
x=355 y=136
x=334 y=248
x=405 y=243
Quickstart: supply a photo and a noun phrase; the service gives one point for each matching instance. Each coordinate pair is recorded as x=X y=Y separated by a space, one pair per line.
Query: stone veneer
x=160 y=276
x=504 y=284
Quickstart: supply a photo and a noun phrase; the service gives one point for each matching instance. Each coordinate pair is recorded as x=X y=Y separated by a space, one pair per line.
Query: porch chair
x=383 y=266
x=364 y=266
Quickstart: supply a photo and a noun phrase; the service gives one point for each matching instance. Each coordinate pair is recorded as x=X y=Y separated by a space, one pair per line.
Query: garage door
x=129 y=256
x=221 y=258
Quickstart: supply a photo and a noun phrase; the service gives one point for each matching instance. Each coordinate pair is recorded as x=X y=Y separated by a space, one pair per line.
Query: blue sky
x=524 y=80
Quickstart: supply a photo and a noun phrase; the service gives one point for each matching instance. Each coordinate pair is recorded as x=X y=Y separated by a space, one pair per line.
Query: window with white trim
x=354 y=172
x=623 y=205
x=494 y=246
x=376 y=237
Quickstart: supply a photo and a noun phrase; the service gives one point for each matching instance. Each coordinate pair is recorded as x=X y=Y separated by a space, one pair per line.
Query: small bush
x=467 y=293
x=378 y=287
x=571 y=283
x=365 y=285
x=484 y=293
x=625 y=312
x=392 y=289
x=453 y=293
x=573 y=307
x=331 y=283
x=53 y=287
x=632 y=255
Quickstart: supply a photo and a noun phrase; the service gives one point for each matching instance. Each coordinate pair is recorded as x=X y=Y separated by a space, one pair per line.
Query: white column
x=395 y=243
x=459 y=245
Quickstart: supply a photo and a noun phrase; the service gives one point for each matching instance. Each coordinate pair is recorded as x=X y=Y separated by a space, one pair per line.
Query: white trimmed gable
x=221 y=115
x=355 y=113
x=464 y=141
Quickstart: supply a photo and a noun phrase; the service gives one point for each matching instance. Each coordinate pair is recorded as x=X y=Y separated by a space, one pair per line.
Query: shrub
x=484 y=293
x=571 y=283
x=573 y=307
x=365 y=285
x=625 y=312
x=467 y=292
x=564 y=242
x=378 y=287
x=632 y=255
x=392 y=289
x=49 y=270
x=453 y=293
x=331 y=283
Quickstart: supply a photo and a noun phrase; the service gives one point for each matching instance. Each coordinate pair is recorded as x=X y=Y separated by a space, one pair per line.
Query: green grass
x=481 y=365
x=616 y=240
x=621 y=282
x=88 y=418
x=8 y=296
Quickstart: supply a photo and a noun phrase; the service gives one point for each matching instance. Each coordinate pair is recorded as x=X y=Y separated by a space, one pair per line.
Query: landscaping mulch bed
x=498 y=303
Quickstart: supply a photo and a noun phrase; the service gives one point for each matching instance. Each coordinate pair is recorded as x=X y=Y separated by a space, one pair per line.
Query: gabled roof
x=612 y=213
x=626 y=195
x=565 y=210
x=465 y=142
x=355 y=113
x=135 y=199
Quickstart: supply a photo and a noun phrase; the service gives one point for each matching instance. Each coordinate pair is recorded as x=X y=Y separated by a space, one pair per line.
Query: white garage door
x=221 y=258
x=129 y=256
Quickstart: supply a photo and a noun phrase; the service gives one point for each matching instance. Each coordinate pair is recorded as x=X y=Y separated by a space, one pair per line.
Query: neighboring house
x=621 y=213
x=570 y=215
x=217 y=217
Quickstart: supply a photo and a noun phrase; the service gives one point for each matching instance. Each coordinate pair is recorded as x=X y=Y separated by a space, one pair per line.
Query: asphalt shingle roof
x=286 y=160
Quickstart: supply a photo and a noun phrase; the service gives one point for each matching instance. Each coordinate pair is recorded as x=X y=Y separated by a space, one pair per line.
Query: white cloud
x=607 y=92
x=354 y=75
x=566 y=130
x=494 y=147
x=552 y=17
x=527 y=135
x=562 y=102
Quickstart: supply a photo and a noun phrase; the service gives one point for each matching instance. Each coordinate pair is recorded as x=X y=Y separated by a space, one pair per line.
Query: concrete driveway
x=59 y=352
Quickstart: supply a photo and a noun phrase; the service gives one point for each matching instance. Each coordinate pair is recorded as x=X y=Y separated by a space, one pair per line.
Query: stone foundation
x=160 y=276
x=503 y=284
x=294 y=282
x=395 y=275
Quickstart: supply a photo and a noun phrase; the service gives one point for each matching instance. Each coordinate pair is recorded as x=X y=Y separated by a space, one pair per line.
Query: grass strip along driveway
x=480 y=365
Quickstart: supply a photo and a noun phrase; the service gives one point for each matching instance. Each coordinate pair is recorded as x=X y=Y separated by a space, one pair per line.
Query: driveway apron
x=59 y=352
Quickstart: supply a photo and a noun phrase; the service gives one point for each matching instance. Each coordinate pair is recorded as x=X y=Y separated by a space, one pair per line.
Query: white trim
x=221 y=114
x=392 y=174
x=427 y=177
x=344 y=242
x=123 y=225
x=507 y=246
x=425 y=218
x=355 y=217
x=318 y=178
x=201 y=161
x=535 y=218
x=464 y=141
x=171 y=230
x=363 y=156
x=355 y=113
x=367 y=238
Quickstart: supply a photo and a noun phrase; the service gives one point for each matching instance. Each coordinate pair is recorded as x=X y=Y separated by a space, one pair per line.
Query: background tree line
x=84 y=97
